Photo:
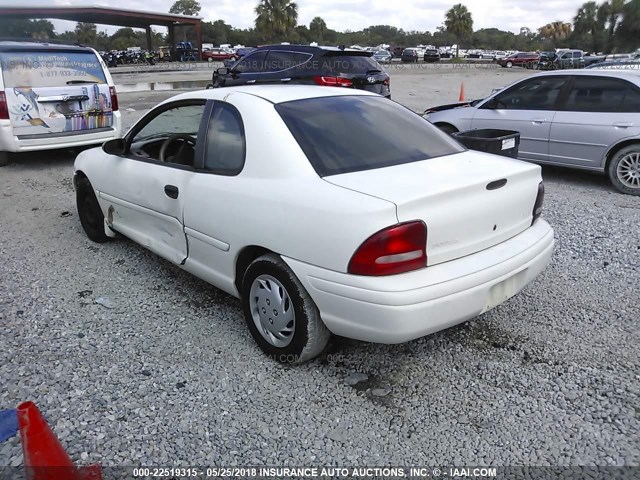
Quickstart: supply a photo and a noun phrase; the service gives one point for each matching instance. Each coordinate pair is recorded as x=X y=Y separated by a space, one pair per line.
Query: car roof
x=274 y=93
x=13 y=46
x=306 y=48
x=628 y=74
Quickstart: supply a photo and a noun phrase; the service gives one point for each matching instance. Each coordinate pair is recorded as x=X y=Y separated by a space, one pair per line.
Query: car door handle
x=171 y=191
x=538 y=120
x=623 y=124
x=284 y=80
x=250 y=81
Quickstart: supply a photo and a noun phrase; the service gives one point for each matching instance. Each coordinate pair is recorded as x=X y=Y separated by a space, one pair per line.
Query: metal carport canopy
x=106 y=16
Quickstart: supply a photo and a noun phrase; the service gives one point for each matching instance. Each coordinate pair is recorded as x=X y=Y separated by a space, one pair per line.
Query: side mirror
x=114 y=146
x=222 y=71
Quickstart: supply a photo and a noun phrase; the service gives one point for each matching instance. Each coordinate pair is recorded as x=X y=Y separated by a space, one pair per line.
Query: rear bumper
x=400 y=308
x=11 y=143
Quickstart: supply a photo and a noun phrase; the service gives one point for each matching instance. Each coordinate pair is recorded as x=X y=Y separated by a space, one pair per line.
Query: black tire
x=630 y=155
x=89 y=211
x=310 y=335
x=4 y=159
x=446 y=128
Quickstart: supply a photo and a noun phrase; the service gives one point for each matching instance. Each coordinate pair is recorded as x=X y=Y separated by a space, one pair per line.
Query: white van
x=54 y=96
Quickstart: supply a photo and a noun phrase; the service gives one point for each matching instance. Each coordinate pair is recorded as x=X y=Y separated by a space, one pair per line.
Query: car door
x=248 y=70
x=215 y=193
x=527 y=107
x=144 y=198
x=597 y=113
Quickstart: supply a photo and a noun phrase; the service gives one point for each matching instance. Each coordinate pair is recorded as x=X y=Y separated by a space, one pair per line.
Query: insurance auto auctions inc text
x=375 y=472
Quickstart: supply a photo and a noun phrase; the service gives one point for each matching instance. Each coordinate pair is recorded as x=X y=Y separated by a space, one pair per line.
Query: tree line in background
x=609 y=26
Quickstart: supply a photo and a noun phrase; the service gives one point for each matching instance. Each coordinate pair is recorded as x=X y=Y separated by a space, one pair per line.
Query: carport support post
x=149 y=43
x=172 y=42
x=199 y=38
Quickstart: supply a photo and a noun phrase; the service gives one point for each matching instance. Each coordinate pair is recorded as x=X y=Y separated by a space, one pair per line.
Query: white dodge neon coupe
x=323 y=209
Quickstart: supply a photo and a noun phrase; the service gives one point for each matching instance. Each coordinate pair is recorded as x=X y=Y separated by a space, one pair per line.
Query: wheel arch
x=247 y=255
x=446 y=125
x=79 y=175
x=616 y=148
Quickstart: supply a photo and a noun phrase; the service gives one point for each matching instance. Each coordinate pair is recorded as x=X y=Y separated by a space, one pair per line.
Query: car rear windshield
x=44 y=68
x=354 y=133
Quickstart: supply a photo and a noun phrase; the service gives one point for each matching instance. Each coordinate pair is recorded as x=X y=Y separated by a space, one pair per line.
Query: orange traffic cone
x=461 y=97
x=44 y=457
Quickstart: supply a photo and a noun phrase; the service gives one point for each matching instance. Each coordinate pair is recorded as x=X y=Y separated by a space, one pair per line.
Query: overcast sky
x=356 y=14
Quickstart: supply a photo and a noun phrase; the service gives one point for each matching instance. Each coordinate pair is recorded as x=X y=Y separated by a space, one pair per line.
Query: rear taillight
x=4 y=110
x=537 y=207
x=333 y=81
x=387 y=82
x=114 y=98
x=397 y=249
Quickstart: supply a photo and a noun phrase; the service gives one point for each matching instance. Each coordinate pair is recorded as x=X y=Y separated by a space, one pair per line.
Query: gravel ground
x=163 y=370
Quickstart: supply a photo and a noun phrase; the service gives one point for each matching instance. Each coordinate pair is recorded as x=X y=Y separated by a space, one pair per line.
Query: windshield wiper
x=79 y=82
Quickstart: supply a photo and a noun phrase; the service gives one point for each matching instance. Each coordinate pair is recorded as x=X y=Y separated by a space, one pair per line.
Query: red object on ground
x=461 y=97
x=43 y=455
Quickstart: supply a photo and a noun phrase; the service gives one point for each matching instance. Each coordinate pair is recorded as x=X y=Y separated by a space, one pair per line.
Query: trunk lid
x=55 y=92
x=458 y=197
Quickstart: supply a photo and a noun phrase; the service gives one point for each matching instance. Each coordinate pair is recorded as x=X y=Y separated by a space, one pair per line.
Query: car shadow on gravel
x=577 y=178
x=44 y=159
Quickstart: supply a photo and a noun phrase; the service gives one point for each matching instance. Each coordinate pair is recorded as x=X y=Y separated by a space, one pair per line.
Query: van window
x=44 y=68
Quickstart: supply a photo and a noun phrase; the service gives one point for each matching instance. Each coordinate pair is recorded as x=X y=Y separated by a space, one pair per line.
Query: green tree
x=458 y=22
x=589 y=27
x=611 y=13
x=318 y=29
x=276 y=19
x=628 y=33
x=186 y=7
x=86 y=33
x=217 y=32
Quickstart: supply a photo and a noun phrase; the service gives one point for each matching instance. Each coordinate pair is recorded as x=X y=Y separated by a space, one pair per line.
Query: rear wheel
x=89 y=211
x=281 y=316
x=509 y=64
x=624 y=169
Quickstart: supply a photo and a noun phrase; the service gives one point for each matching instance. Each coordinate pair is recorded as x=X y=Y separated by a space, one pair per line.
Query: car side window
x=538 y=93
x=225 y=145
x=278 y=60
x=171 y=135
x=600 y=94
x=254 y=62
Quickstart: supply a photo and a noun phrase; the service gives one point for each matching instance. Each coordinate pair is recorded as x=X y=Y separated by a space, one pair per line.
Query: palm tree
x=555 y=30
x=276 y=18
x=459 y=23
x=318 y=28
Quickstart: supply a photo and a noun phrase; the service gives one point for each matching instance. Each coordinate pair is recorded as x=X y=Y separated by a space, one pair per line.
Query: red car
x=521 y=59
x=217 y=54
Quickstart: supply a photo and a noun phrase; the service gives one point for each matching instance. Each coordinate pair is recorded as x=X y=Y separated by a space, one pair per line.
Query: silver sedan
x=587 y=119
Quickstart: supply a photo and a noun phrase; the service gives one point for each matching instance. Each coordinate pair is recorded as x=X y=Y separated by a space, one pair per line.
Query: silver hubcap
x=628 y=170
x=272 y=311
